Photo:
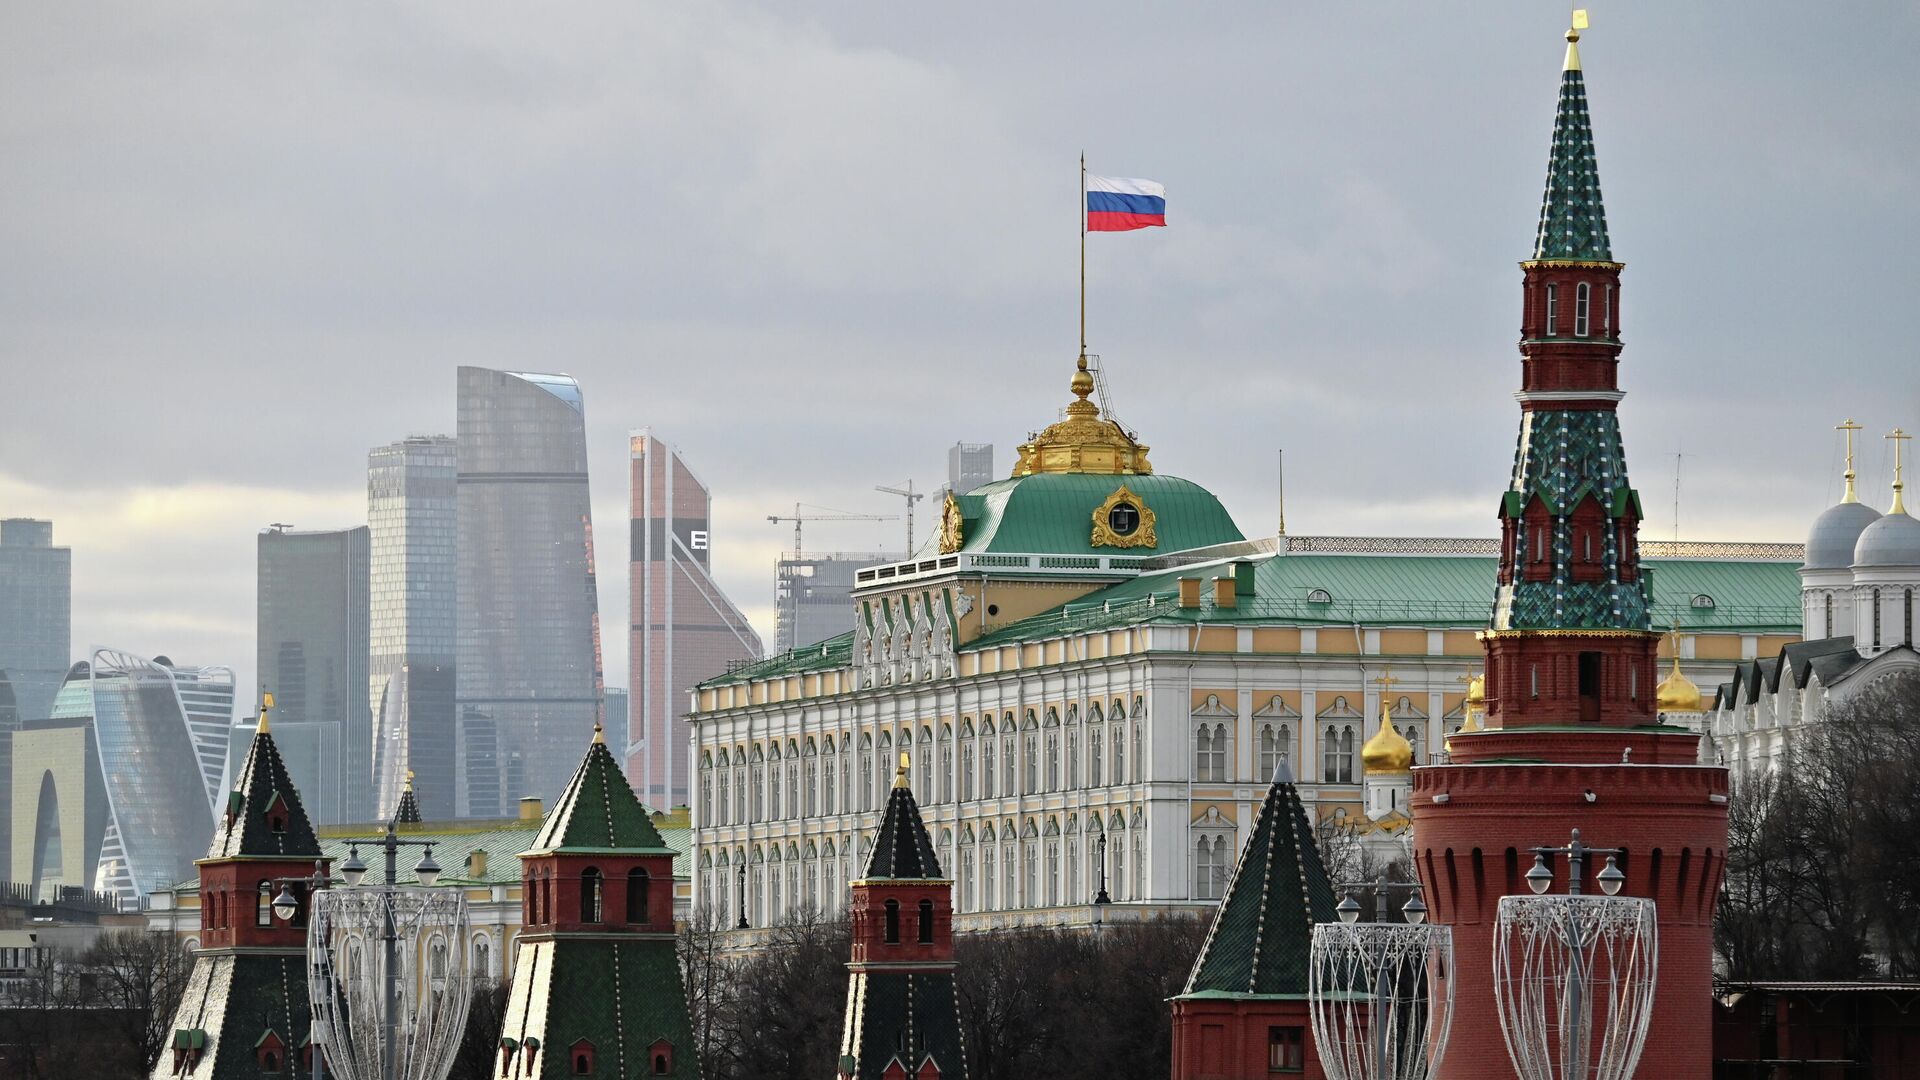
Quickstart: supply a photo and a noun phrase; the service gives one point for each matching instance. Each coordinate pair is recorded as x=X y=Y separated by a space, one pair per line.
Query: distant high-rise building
x=161 y=736
x=683 y=628
x=528 y=678
x=968 y=466
x=814 y=597
x=36 y=614
x=413 y=517
x=312 y=655
x=619 y=709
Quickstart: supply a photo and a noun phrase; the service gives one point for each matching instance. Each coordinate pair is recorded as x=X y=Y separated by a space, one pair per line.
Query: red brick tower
x=244 y=1012
x=1572 y=737
x=903 y=1013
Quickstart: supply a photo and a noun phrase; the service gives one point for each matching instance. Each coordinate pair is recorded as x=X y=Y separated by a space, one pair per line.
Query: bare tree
x=135 y=980
x=479 y=1054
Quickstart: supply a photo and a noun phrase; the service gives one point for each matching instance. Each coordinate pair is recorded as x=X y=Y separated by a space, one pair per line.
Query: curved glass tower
x=161 y=733
x=528 y=672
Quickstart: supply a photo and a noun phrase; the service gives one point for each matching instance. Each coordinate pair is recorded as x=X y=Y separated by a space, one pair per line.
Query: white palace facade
x=1095 y=675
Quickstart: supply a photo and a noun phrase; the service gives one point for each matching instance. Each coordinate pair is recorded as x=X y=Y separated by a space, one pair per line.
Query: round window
x=1123 y=518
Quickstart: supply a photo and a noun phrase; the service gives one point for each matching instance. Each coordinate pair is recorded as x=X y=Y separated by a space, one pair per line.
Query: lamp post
x=1100 y=896
x=1380 y=993
x=743 y=898
x=421 y=908
x=285 y=906
x=1550 y=953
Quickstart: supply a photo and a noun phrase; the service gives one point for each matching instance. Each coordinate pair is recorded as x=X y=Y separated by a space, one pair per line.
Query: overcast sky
x=815 y=244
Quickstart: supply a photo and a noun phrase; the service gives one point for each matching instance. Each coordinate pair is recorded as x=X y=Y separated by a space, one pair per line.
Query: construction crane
x=912 y=497
x=830 y=515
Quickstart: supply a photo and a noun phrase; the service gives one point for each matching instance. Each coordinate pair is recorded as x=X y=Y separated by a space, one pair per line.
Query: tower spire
x=1899 y=483
x=1573 y=223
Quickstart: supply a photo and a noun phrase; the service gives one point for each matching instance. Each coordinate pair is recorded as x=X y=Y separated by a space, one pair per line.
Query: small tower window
x=1582 y=305
x=1606 y=314
x=926 y=922
x=590 y=895
x=638 y=882
x=263 y=905
x=1553 y=309
x=893 y=922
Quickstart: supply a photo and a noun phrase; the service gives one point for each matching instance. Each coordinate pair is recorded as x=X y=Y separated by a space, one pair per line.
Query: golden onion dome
x=1388 y=751
x=1084 y=442
x=1677 y=693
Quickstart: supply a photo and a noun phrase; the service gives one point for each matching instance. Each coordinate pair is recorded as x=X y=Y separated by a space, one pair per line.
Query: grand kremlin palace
x=1091 y=658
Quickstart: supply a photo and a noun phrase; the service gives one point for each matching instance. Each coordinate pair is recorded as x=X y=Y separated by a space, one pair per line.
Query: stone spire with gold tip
x=1085 y=442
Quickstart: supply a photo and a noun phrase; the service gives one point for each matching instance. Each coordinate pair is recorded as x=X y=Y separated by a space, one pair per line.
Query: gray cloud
x=813 y=246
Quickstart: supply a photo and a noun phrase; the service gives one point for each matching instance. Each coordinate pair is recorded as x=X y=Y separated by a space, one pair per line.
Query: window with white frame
x=1209 y=866
x=1210 y=753
x=1582 y=304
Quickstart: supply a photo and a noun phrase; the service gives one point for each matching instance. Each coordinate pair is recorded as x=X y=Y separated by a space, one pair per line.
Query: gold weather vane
x=1849 y=427
x=1579 y=23
x=1899 y=504
x=266 y=706
x=900 y=774
x=409 y=779
x=599 y=731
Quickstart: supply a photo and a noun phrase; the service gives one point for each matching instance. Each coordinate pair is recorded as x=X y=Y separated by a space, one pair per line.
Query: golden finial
x=900 y=774
x=1849 y=427
x=599 y=732
x=1899 y=504
x=266 y=706
x=1476 y=701
x=409 y=779
x=1676 y=692
x=1388 y=750
x=1573 y=39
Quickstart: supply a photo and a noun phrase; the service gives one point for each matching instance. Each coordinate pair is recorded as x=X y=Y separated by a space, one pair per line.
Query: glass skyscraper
x=161 y=736
x=413 y=513
x=36 y=612
x=312 y=654
x=682 y=627
x=529 y=675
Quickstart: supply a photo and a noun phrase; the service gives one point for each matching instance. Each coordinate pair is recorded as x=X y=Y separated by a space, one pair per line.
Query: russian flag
x=1117 y=204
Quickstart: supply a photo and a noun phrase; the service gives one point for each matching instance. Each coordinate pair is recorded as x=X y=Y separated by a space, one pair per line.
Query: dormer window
x=276 y=813
x=1319 y=596
x=580 y=1054
x=1553 y=309
x=1582 y=305
x=1702 y=600
x=660 y=1056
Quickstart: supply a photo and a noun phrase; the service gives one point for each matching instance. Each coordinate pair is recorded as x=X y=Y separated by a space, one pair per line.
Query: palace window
x=1095 y=747
x=1337 y=755
x=1009 y=762
x=1119 y=753
x=1210 y=867
x=1053 y=761
x=1210 y=753
x=1033 y=763
x=1073 y=755
x=1553 y=309
x=1582 y=302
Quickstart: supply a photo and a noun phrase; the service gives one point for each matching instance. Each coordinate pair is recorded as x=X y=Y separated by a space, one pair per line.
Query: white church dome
x=1835 y=532
x=1894 y=540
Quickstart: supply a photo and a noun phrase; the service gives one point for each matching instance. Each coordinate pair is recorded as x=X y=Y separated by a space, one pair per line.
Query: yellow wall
x=1276 y=639
x=1403 y=642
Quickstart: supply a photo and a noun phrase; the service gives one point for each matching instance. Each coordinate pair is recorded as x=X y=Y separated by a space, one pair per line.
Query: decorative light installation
x=390 y=983
x=1574 y=975
x=1381 y=993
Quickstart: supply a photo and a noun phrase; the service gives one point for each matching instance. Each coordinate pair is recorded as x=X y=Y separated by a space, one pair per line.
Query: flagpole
x=1083 y=258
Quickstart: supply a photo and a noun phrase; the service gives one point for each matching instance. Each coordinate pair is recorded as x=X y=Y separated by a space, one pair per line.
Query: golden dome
x=1677 y=693
x=1083 y=442
x=1388 y=751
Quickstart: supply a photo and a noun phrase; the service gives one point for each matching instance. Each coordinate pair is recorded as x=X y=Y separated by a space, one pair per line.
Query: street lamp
x=743 y=897
x=1381 y=993
x=1574 y=974
x=396 y=1014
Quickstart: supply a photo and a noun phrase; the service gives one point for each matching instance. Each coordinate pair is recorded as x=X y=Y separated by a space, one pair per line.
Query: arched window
x=1096 y=776
x=1319 y=596
x=1053 y=761
x=1033 y=763
x=1606 y=314
x=726 y=794
x=986 y=765
x=263 y=905
x=1702 y=601
x=966 y=771
x=893 y=922
x=482 y=957
x=1582 y=306
x=639 y=883
x=1119 y=748
x=1009 y=755
x=1210 y=867
x=1553 y=309
x=926 y=922
x=590 y=895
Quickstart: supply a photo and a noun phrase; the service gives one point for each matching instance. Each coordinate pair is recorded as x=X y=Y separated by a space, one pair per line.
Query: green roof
x=244 y=831
x=828 y=655
x=621 y=996
x=1262 y=933
x=598 y=811
x=1427 y=591
x=1052 y=514
x=1573 y=222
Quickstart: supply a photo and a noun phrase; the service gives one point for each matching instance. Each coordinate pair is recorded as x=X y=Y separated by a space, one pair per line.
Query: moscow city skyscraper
x=529 y=675
x=36 y=615
x=311 y=652
x=682 y=627
x=414 y=521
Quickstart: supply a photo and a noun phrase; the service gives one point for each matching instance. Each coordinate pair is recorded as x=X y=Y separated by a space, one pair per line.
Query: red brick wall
x=1226 y=1038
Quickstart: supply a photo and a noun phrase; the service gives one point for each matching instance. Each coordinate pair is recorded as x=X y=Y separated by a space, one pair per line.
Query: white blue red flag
x=1116 y=204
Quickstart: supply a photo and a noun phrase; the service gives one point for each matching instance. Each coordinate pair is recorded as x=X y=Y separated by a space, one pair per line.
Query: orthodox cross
x=1898 y=436
x=1849 y=427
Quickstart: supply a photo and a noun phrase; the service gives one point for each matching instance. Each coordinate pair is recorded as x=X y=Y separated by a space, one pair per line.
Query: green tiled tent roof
x=598 y=811
x=1263 y=930
x=230 y=1003
x=621 y=996
x=243 y=831
x=902 y=849
x=1052 y=514
x=919 y=1010
x=1430 y=591
x=1573 y=222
